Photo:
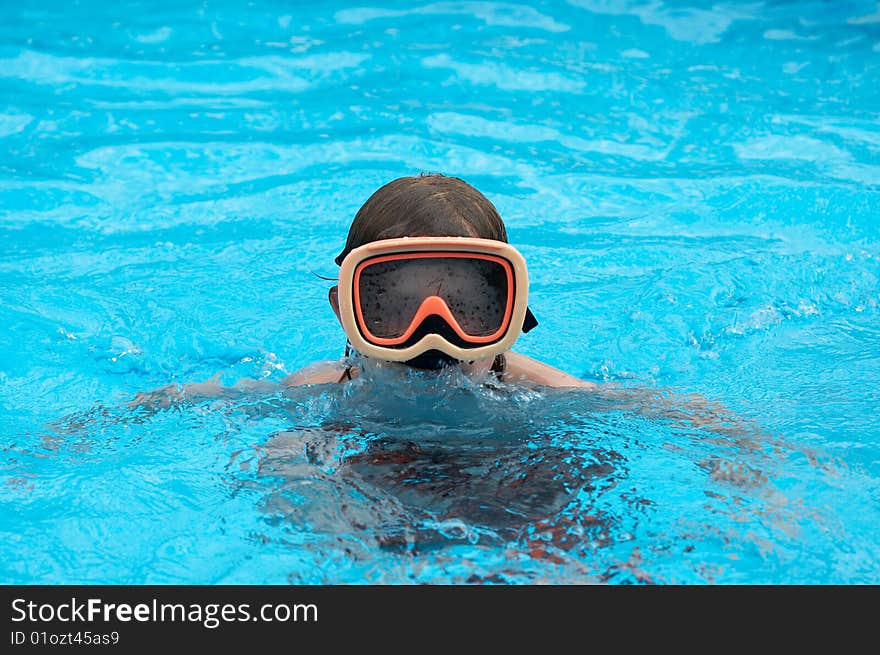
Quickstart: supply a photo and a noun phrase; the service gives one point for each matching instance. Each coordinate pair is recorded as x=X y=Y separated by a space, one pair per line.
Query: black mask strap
x=529 y=321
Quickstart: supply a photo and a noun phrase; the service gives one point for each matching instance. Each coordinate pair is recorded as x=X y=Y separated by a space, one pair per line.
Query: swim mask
x=464 y=297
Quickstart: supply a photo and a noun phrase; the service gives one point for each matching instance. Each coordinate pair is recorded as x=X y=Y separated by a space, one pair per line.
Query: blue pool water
x=696 y=188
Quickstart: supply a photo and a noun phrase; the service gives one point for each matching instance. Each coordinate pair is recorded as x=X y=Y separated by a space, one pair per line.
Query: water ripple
x=497 y=14
x=682 y=23
x=506 y=77
x=254 y=74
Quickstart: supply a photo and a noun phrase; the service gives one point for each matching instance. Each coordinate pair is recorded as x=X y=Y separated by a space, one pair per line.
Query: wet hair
x=426 y=205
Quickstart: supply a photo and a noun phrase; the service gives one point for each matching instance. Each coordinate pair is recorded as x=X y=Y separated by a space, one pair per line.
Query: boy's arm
x=316 y=373
x=174 y=394
x=690 y=408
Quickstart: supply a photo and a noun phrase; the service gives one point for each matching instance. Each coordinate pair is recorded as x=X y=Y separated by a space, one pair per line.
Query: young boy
x=428 y=280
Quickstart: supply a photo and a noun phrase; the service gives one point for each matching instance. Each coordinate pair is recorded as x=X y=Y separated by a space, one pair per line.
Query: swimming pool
x=696 y=188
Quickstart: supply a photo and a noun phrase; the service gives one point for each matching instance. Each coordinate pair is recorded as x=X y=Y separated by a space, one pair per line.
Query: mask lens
x=391 y=291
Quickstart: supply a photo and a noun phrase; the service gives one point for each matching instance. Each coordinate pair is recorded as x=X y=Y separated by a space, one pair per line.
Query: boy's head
x=424 y=206
x=430 y=206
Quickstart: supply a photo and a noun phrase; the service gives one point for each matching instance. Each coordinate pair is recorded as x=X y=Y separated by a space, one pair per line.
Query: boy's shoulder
x=519 y=367
x=321 y=372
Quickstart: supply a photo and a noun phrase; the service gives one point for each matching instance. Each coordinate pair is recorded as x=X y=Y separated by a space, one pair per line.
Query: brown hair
x=426 y=205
